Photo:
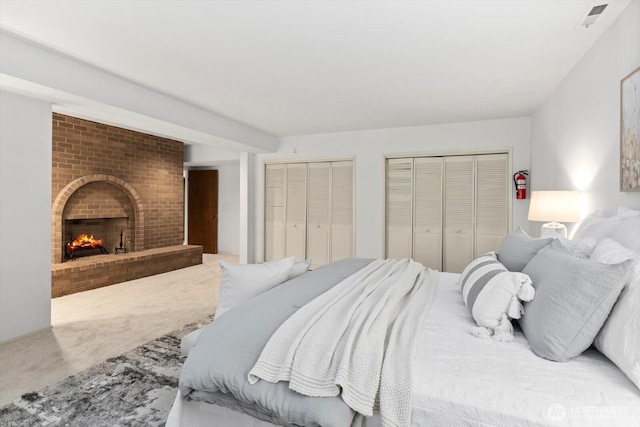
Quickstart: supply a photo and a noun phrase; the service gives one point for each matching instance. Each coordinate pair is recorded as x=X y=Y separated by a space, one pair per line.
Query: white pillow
x=619 y=338
x=627 y=212
x=623 y=227
x=299 y=268
x=241 y=282
x=493 y=295
x=581 y=247
x=187 y=342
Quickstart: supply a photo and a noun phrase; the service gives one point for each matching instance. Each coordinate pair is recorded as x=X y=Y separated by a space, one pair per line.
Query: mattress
x=462 y=380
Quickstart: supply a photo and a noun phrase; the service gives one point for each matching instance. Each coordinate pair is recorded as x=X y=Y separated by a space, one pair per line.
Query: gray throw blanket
x=217 y=367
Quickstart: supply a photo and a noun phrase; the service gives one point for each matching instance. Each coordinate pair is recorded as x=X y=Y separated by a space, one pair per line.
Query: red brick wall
x=98 y=199
x=149 y=164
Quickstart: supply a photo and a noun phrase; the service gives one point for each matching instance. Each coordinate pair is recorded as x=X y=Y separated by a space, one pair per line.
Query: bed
x=458 y=378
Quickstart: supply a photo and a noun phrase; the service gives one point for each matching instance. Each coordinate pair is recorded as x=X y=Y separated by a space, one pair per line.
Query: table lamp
x=555 y=207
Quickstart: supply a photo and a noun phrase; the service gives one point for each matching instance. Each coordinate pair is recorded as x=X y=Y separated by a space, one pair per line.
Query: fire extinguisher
x=520 y=180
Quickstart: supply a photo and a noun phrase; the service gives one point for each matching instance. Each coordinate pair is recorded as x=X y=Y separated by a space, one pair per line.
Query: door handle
x=214 y=216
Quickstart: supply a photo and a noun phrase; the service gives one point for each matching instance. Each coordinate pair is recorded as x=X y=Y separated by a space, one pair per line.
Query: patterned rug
x=136 y=388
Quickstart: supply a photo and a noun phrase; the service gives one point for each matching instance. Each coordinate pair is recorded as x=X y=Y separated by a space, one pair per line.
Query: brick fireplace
x=111 y=182
x=97 y=201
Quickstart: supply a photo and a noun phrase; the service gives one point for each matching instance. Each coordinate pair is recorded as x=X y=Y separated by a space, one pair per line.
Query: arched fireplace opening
x=96 y=214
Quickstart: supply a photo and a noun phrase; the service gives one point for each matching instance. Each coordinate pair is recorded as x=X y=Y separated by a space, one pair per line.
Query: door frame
x=185 y=177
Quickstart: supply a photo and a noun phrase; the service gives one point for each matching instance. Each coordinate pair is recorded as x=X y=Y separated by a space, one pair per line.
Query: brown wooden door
x=203 y=209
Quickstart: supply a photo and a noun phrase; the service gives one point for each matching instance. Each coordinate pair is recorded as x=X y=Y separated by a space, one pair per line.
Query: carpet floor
x=136 y=388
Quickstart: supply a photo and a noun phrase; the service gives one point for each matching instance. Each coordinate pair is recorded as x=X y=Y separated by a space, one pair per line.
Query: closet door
x=492 y=202
x=318 y=213
x=296 y=209
x=458 y=212
x=427 y=211
x=274 y=222
x=341 y=210
x=399 y=196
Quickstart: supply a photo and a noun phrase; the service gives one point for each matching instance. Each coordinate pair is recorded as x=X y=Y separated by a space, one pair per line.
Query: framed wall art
x=630 y=132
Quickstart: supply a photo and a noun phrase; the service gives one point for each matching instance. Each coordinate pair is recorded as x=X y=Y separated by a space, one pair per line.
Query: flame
x=86 y=241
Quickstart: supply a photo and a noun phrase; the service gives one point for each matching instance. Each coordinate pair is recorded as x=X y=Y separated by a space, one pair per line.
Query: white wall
x=199 y=155
x=248 y=207
x=229 y=209
x=25 y=215
x=369 y=147
x=576 y=133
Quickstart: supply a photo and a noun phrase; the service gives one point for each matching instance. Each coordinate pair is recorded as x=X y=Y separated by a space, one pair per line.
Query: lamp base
x=556 y=227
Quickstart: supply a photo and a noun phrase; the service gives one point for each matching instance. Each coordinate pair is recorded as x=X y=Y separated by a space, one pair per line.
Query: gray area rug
x=136 y=388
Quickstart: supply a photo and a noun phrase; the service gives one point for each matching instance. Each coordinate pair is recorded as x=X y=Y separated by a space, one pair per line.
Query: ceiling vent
x=591 y=15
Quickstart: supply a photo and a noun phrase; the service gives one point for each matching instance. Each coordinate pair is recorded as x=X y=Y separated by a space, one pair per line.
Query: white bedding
x=463 y=380
x=336 y=344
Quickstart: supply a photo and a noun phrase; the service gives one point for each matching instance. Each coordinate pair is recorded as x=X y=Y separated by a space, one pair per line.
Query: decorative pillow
x=573 y=299
x=187 y=342
x=619 y=338
x=241 y=282
x=518 y=248
x=625 y=212
x=623 y=227
x=590 y=221
x=493 y=295
x=299 y=268
x=581 y=247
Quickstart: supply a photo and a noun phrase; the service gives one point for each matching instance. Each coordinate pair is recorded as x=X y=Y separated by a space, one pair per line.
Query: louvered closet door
x=318 y=213
x=341 y=210
x=399 y=208
x=492 y=201
x=427 y=211
x=275 y=192
x=296 y=210
x=458 y=212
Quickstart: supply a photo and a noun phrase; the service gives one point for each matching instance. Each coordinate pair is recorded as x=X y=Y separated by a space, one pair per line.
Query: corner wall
x=369 y=147
x=575 y=134
x=228 y=209
x=25 y=215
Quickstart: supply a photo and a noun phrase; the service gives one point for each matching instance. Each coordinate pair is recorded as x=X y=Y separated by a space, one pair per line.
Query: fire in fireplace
x=95 y=236
x=84 y=243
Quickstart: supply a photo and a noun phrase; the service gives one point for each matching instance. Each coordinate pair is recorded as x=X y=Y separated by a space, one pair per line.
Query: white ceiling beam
x=80 y=89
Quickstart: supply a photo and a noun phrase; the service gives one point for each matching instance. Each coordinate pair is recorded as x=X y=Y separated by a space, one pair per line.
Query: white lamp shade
x=557 y=206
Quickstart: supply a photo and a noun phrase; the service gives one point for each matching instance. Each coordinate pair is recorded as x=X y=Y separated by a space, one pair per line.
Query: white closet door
x=275 y=193
x=296 y=209
x=458 y=212
x=492 y=201
x=427 y=211
x=399 y=196
x=318 y=213
x=341 y=210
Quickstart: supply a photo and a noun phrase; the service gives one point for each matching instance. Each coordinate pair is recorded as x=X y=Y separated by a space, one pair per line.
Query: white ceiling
x=302 y=67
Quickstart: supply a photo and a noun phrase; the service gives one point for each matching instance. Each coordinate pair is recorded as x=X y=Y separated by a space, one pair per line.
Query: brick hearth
x=103 y=270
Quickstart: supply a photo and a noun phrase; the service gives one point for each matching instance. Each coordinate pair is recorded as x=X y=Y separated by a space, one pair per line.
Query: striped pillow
x=493 y=294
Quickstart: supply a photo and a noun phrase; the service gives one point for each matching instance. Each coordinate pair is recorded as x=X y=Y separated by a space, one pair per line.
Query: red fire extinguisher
x=520 y=180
